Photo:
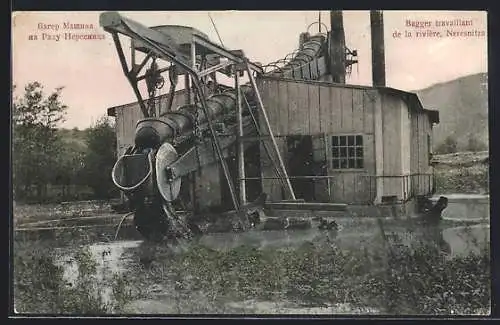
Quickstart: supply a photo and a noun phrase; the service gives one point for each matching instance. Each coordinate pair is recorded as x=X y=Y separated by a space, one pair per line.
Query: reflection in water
x=352 y=233
x=109 y=259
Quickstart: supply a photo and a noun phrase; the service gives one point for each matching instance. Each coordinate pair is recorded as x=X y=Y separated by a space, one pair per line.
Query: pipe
x=378 y=54
x=240 y=142
x=337 y=47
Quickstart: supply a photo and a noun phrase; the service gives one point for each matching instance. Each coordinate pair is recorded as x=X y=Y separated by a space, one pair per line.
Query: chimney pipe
x=337 y=47
x=378 y=54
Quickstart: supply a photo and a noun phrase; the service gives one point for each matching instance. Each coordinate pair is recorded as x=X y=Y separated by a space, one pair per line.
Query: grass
x=394 y=279
x=40 y=286
x=473 y=179
x=409 y=280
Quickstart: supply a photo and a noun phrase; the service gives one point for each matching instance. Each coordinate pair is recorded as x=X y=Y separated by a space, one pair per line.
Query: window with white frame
x=347 y=152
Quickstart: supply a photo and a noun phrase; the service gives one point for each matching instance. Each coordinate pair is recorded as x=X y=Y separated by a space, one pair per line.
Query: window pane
x=342 y=140
x=335 y=163
x=351 y=163
x=359 y=163
x=343 y=152
x=335 y=141
x=350 y=140
x=359 y=152
x=343 y=163
x=359 y=140
x=335 y=152
x=350 y=151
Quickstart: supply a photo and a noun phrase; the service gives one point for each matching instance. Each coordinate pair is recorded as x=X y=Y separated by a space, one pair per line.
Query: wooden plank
x=307 y=206
x=335 y=110
x=306 y=72
x=314 y=110
x=294 y=124
x=392 y=143
x=313 y=68
x=362 y=186
x=277 y=188
x=349 y=187
x=347 y=109
x=419 y=145
x=273 y=92
x=337 y=184
x=324 y=109
x=413 y=152
x=368 y=111
x=282 y=96
x=302 y=120
x=271 y=104
x=358 y=115
x=369 y=153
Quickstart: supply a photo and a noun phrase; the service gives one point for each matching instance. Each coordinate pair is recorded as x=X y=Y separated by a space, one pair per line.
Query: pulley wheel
x=165 y=156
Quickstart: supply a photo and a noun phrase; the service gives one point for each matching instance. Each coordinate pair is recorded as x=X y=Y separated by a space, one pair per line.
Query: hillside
x=463 y=109
x=74 y=137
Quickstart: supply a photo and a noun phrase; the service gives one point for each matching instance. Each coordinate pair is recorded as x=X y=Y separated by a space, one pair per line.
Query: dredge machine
x=180 y=140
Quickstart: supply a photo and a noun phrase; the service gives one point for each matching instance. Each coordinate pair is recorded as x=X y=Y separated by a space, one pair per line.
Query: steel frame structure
x=162 y=46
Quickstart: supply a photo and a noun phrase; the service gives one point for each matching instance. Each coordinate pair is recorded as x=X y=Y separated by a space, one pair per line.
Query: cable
x=215 y=27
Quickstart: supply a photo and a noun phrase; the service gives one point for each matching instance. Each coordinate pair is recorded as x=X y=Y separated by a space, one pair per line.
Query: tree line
x=47 y=166
x=450 y=145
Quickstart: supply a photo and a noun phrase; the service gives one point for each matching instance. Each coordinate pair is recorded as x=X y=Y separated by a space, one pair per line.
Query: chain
x=154 y=82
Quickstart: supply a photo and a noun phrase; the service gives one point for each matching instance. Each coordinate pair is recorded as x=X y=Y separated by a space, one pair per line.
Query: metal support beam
x=225 y=53
x=240 y=143
x=127 y=73
x=187 y=87
x=214 y=68
x=270 y=132
x=113 y=22
x=262 y=139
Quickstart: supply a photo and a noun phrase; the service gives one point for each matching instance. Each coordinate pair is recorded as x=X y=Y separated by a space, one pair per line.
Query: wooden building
x=364 y=145
x=340 y=143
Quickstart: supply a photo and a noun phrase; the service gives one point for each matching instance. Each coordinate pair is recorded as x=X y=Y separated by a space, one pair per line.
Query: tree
x=100 y=158
x=35 y=140
x=448 y=146
x=70 y=168
x=475 y=145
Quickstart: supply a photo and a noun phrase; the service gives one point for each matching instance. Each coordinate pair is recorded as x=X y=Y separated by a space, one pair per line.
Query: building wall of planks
x=395 y=143
x=322 y=110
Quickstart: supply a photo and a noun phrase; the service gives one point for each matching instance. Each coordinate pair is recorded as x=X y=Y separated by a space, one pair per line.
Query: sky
x=93 y=79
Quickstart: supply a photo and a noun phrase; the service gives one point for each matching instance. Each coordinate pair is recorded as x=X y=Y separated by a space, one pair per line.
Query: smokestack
x=337 y=47
x=378 y=54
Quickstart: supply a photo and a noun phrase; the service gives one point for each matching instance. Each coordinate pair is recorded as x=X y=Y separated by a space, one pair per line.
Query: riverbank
x=462 y=172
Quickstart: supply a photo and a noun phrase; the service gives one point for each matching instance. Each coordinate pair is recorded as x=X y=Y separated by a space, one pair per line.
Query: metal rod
x=328 y=160
x=159 y=70
x=270 y=131
x=132 y=53
x=124 y=65
x=264 y=143
x=330 y=177
x=225 y=53
x=138 y=67
x=319 y=20
x=215 y=27
x=240 y=143
x=214 y=68
x=215 y=142
x=187 y=87
x=193 y=66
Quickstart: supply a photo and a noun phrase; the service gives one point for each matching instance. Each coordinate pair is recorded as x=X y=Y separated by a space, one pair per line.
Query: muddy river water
x=112 y=256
